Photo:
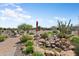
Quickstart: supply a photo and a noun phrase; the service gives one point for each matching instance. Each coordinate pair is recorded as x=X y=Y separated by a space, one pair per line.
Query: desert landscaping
x=25 y=40
x=39 y=29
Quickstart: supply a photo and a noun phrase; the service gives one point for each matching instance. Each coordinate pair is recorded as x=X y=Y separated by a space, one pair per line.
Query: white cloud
x=9 y=13
x=19 y=9
x=12 y=17
x=60 y=18
x=9 y=4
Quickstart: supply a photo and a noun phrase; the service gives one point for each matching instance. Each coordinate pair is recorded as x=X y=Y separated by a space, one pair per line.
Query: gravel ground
x=8 y=47
x=18 y=51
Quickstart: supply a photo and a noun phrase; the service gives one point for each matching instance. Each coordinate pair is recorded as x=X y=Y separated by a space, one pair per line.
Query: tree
x=25 y=27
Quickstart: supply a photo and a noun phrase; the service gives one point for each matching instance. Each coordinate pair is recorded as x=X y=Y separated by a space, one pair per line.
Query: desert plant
x=2 y=38
x=49 y=33
x=75 y=42
x=29 y=43
x=44 y=35
x=64 y=28
x=75 y=39
x=55 y=32
x=28 y=50
x=31 y=33
x=24 y=38
x=37 y=54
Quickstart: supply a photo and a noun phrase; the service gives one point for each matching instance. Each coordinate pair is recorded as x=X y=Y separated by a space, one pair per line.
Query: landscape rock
x=71 y=47
x=57 y=53
x=47 y=43
x=49 y=53
x=40 y=43
x=53 y=46
x=67 y=53
x=63 y=53
x=42 y=40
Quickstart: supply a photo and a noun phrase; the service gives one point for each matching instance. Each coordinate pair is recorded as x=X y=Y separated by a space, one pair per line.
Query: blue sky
x=47 y=14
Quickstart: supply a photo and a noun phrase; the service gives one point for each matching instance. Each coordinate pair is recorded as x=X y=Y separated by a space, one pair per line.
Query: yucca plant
x=64 y=28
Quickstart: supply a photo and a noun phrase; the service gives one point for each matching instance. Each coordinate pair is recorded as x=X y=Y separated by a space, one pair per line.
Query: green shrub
x=2 y=38
x=37 y=54
x=50 y=33
x=55 y=32
x=29 y=43
x=61 y=35
x=28 y=50
x=77 y=50
x=75 y=39
x=24 y=38
x=75 y=42
x=44 y=35
x=31 y=33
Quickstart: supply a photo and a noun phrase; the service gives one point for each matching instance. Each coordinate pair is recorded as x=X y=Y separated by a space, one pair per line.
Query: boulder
x=47 y=43
x=53 y=45
x=57 y=43
x=49 y=53
x=52 y=41
x=71 y=47
x=57 y=53
x=42 y=40
x=40 y=43
x=37 y=38
x=67 y=53
x=64 y=47
x=63 y=53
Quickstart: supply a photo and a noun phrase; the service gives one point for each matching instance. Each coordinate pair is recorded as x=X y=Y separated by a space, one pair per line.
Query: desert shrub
x=28 y=50
x=31 y=33
x=77 y=50
x=75 y=39
x=2 y=38
x=29 y=43
x=64 y=29
x=24 y=38
x=75 y=42
x=61 y=35
x=44 y=35
x=55 y=31
x=37 y=54
x=50 y=33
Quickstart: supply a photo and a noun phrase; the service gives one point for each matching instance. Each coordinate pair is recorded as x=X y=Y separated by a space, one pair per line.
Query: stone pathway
x=8 y=47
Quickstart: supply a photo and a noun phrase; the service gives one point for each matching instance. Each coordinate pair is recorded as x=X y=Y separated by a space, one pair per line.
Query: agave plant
x=64 y=28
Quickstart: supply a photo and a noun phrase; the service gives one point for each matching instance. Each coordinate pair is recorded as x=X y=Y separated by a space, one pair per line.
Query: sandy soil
x=8 y=47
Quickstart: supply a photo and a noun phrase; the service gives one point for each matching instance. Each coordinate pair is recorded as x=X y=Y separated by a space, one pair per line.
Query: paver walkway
x=8 y=47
